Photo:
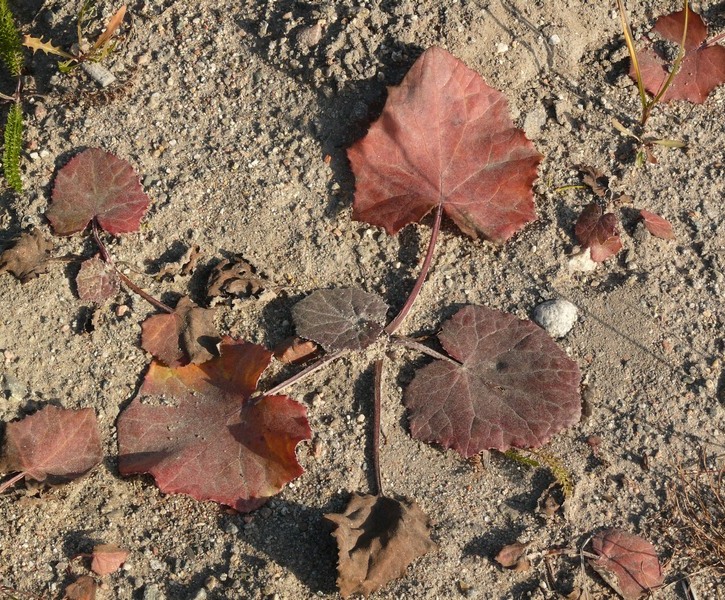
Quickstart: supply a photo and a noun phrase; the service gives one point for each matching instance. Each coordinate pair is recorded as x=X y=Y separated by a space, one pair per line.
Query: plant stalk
x=629 y=40
x=12 y=481
x=397 y=321
x=376 y=424
x=675 y=67
x=130 y=284
x=304 y=373
x=422 y=348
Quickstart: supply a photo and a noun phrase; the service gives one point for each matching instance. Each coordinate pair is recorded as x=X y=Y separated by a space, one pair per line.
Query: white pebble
x=502 y=48
x=557 y=317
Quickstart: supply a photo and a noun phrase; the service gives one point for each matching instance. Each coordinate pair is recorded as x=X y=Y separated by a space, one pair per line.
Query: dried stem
x=715 y=40
x=629 y=40
x=130 y=284
x=11 y=482
x=304 y=373
x=396 y=322
x=376 y=424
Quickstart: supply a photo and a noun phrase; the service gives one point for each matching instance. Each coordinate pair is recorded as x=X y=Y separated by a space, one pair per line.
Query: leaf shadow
x=198 y=581
x=295 y=537
x=489 y=545
x=344 y=110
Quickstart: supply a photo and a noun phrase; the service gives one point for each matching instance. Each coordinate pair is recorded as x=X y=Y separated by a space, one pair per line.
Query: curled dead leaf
x=28 y=257
x=188 y=335
x=83 y=588
x=377 y=538
x=235 y=277
x=107 y=558
x=513 y=556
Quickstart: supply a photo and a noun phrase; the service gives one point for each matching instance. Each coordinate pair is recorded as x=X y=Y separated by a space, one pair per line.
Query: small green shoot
x=13 y=147
x=543 y=460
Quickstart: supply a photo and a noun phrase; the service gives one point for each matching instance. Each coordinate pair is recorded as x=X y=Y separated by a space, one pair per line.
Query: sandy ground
x=228 y=110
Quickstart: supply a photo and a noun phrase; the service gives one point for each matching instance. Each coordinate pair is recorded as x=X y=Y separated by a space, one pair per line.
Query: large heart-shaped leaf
x=509 y=385
x=97 y=185
x=339 y=319
x=197 y=430
x=702 y=69
x=445 y=137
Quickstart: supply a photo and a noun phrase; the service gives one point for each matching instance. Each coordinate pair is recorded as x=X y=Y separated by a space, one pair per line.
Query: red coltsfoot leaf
x=54 y=444
x=514 y=387
x=657 y=226
x=97 y=185
x=345 y=318
x=598 y=232
x=107 y=558
x=96 y=281
x=445 y=137
x=198 y=432
x=702 y=69
x=627 y=562
x=187 y=335
x=377 y=538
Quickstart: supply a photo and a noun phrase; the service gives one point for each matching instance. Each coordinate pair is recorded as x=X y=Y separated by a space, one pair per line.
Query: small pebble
x=554 y=40
x=582 y=261
x=557 y=317
x=502 y=48
x=309 y=37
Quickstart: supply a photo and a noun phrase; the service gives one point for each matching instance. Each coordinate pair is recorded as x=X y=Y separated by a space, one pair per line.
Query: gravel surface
x=237 y=116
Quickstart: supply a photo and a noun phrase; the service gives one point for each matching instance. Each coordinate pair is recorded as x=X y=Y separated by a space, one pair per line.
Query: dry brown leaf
x=188 y=335
x=594 y=179
x=28 y=258
x=84 y=588
x=377 y=538
x=107 y=558
x=293 y=350
x=113 y=24
x=513 y=556
x=183 y=266
x=235 y=277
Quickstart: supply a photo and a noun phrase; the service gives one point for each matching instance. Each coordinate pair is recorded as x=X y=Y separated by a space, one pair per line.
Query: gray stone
x=152 y=592
x=557 y=317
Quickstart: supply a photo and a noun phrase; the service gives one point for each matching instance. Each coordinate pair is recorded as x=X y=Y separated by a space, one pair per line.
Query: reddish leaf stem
x=715 y=40
x=396 y=322
x=316 y=366
x=130 y=284
x=376 y=424
x=12 y=481
x=414 y=345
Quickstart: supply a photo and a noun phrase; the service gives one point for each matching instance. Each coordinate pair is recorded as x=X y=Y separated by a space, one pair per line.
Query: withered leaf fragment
x=513 y=556
x=294 y=350
x=594 y=179
x=657 y=226
x=187 y=335
x=107 y=558
x=627 y=562
x=377 y=538
x=235 y=277
x=28 y=257
x=83 y=588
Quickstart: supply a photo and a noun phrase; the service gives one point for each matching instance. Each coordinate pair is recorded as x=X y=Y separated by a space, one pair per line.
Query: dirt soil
x=229 y=110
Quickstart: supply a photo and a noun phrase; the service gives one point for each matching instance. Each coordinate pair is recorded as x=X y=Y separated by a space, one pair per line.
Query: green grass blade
x=13 y=146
